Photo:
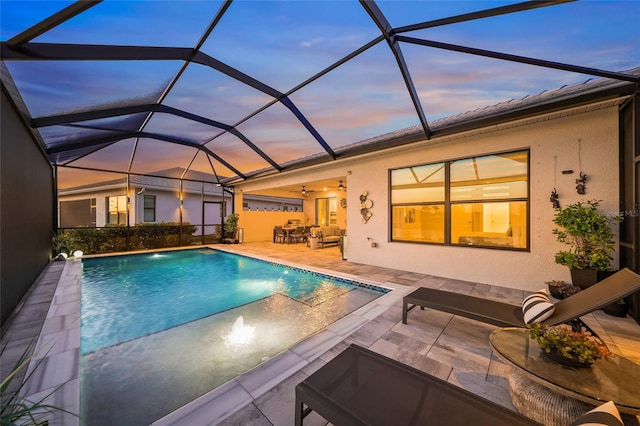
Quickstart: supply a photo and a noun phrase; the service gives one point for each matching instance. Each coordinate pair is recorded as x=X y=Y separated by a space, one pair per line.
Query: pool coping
x=58 y=349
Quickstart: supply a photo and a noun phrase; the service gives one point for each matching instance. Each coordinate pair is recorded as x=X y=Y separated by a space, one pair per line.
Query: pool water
x=126 y=297
x=172 y=326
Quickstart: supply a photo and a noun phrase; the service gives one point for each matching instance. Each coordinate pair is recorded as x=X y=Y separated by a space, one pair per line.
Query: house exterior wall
x=26 y=210
x=553 y=145
x=258 y=225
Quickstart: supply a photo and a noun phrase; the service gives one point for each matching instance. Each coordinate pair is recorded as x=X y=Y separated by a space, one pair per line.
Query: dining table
x=288 y=231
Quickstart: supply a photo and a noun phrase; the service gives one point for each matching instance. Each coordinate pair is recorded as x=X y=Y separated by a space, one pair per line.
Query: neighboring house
x=156 y=199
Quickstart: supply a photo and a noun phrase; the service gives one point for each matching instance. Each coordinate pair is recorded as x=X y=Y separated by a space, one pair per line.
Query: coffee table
x=556 y=395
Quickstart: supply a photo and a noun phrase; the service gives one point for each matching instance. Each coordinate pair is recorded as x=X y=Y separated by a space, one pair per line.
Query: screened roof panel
x=208 y=93
x=117 y=155
x=128 y=122
x=17 y=16
x=408 y=12
x=201 y=165
x=71 y=154
x=267 y=84
x=222 y=171
x=55 y=87
x=617 y=45
x=152 y=155
x=236 y=152
x=346 y=108
x=289 y=41
x=450 y=82
x=280 y=135
x=69 y=178
x=187 y=130
x=60 y=136
x=127 y=23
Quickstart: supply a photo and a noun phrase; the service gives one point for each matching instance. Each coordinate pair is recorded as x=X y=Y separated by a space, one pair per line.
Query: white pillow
x=604 y=415
x=537 y=307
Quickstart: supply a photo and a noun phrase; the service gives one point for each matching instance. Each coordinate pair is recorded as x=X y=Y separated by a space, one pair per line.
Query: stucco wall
x=527 y=270
x=26 y=210
x=546 y=138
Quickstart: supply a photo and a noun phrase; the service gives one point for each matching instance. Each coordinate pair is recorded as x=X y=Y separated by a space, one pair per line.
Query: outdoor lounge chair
x=618 y=286
x=362 y=387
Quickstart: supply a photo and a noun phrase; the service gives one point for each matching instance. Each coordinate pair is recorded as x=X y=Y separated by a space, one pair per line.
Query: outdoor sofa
x=329 y=235
x=617 y=286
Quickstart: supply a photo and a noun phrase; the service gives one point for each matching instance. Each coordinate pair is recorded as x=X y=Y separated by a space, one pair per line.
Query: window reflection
x=419 y=223
x=489 y=224
x=326 y=211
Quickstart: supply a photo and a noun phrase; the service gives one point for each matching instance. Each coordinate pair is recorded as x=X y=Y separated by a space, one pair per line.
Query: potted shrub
x=567 y=346
x=590 y=238
x=231 y=228
x=561 y=289
x=617 y=309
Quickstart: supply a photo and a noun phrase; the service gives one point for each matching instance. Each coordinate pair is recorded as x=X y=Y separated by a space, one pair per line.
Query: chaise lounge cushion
x=604 y=415
x=537 y=307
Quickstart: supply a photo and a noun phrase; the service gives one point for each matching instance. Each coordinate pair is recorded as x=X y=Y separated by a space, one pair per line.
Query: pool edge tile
x=210 y=407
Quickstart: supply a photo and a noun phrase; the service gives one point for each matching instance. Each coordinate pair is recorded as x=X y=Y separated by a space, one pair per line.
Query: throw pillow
x=537 y=307
x=604 y=415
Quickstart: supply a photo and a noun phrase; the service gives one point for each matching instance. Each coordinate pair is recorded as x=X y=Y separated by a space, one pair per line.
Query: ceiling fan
x=305 y=191
x=340 y=187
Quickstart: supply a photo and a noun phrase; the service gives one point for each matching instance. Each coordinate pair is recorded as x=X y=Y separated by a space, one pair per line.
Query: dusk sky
x=284 y=43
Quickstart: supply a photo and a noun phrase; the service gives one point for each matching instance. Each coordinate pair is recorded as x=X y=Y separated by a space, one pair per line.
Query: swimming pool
x=160 y=358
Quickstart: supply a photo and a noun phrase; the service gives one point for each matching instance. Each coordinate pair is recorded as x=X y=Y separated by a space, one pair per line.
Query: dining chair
x=279 y=234
x=298 y=235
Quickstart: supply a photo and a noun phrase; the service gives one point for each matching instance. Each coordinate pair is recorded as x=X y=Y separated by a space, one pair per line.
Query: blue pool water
x=127 y=297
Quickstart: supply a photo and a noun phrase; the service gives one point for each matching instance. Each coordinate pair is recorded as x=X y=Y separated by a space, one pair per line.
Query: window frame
x=118 y=212
x=145 y=208
x=448 y=203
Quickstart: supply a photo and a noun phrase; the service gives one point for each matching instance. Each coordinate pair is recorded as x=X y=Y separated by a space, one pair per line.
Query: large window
x=117 y=210
x=480 y=201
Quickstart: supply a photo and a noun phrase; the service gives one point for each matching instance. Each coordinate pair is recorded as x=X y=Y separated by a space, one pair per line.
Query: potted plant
x=590 y=238
x=231 y=228
x=567 y=346
x=617 y=309
x=561 y=289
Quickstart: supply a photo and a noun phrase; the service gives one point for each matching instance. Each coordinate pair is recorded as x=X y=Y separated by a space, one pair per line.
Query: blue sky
x=284 y=43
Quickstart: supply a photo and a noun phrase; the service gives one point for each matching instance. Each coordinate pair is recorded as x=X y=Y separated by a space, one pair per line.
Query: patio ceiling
x=240 y=89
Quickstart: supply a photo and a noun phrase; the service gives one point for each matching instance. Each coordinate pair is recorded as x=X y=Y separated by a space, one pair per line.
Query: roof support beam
x=294 y=109
x=520 y=59
x=488 y=13
x=385 y=27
